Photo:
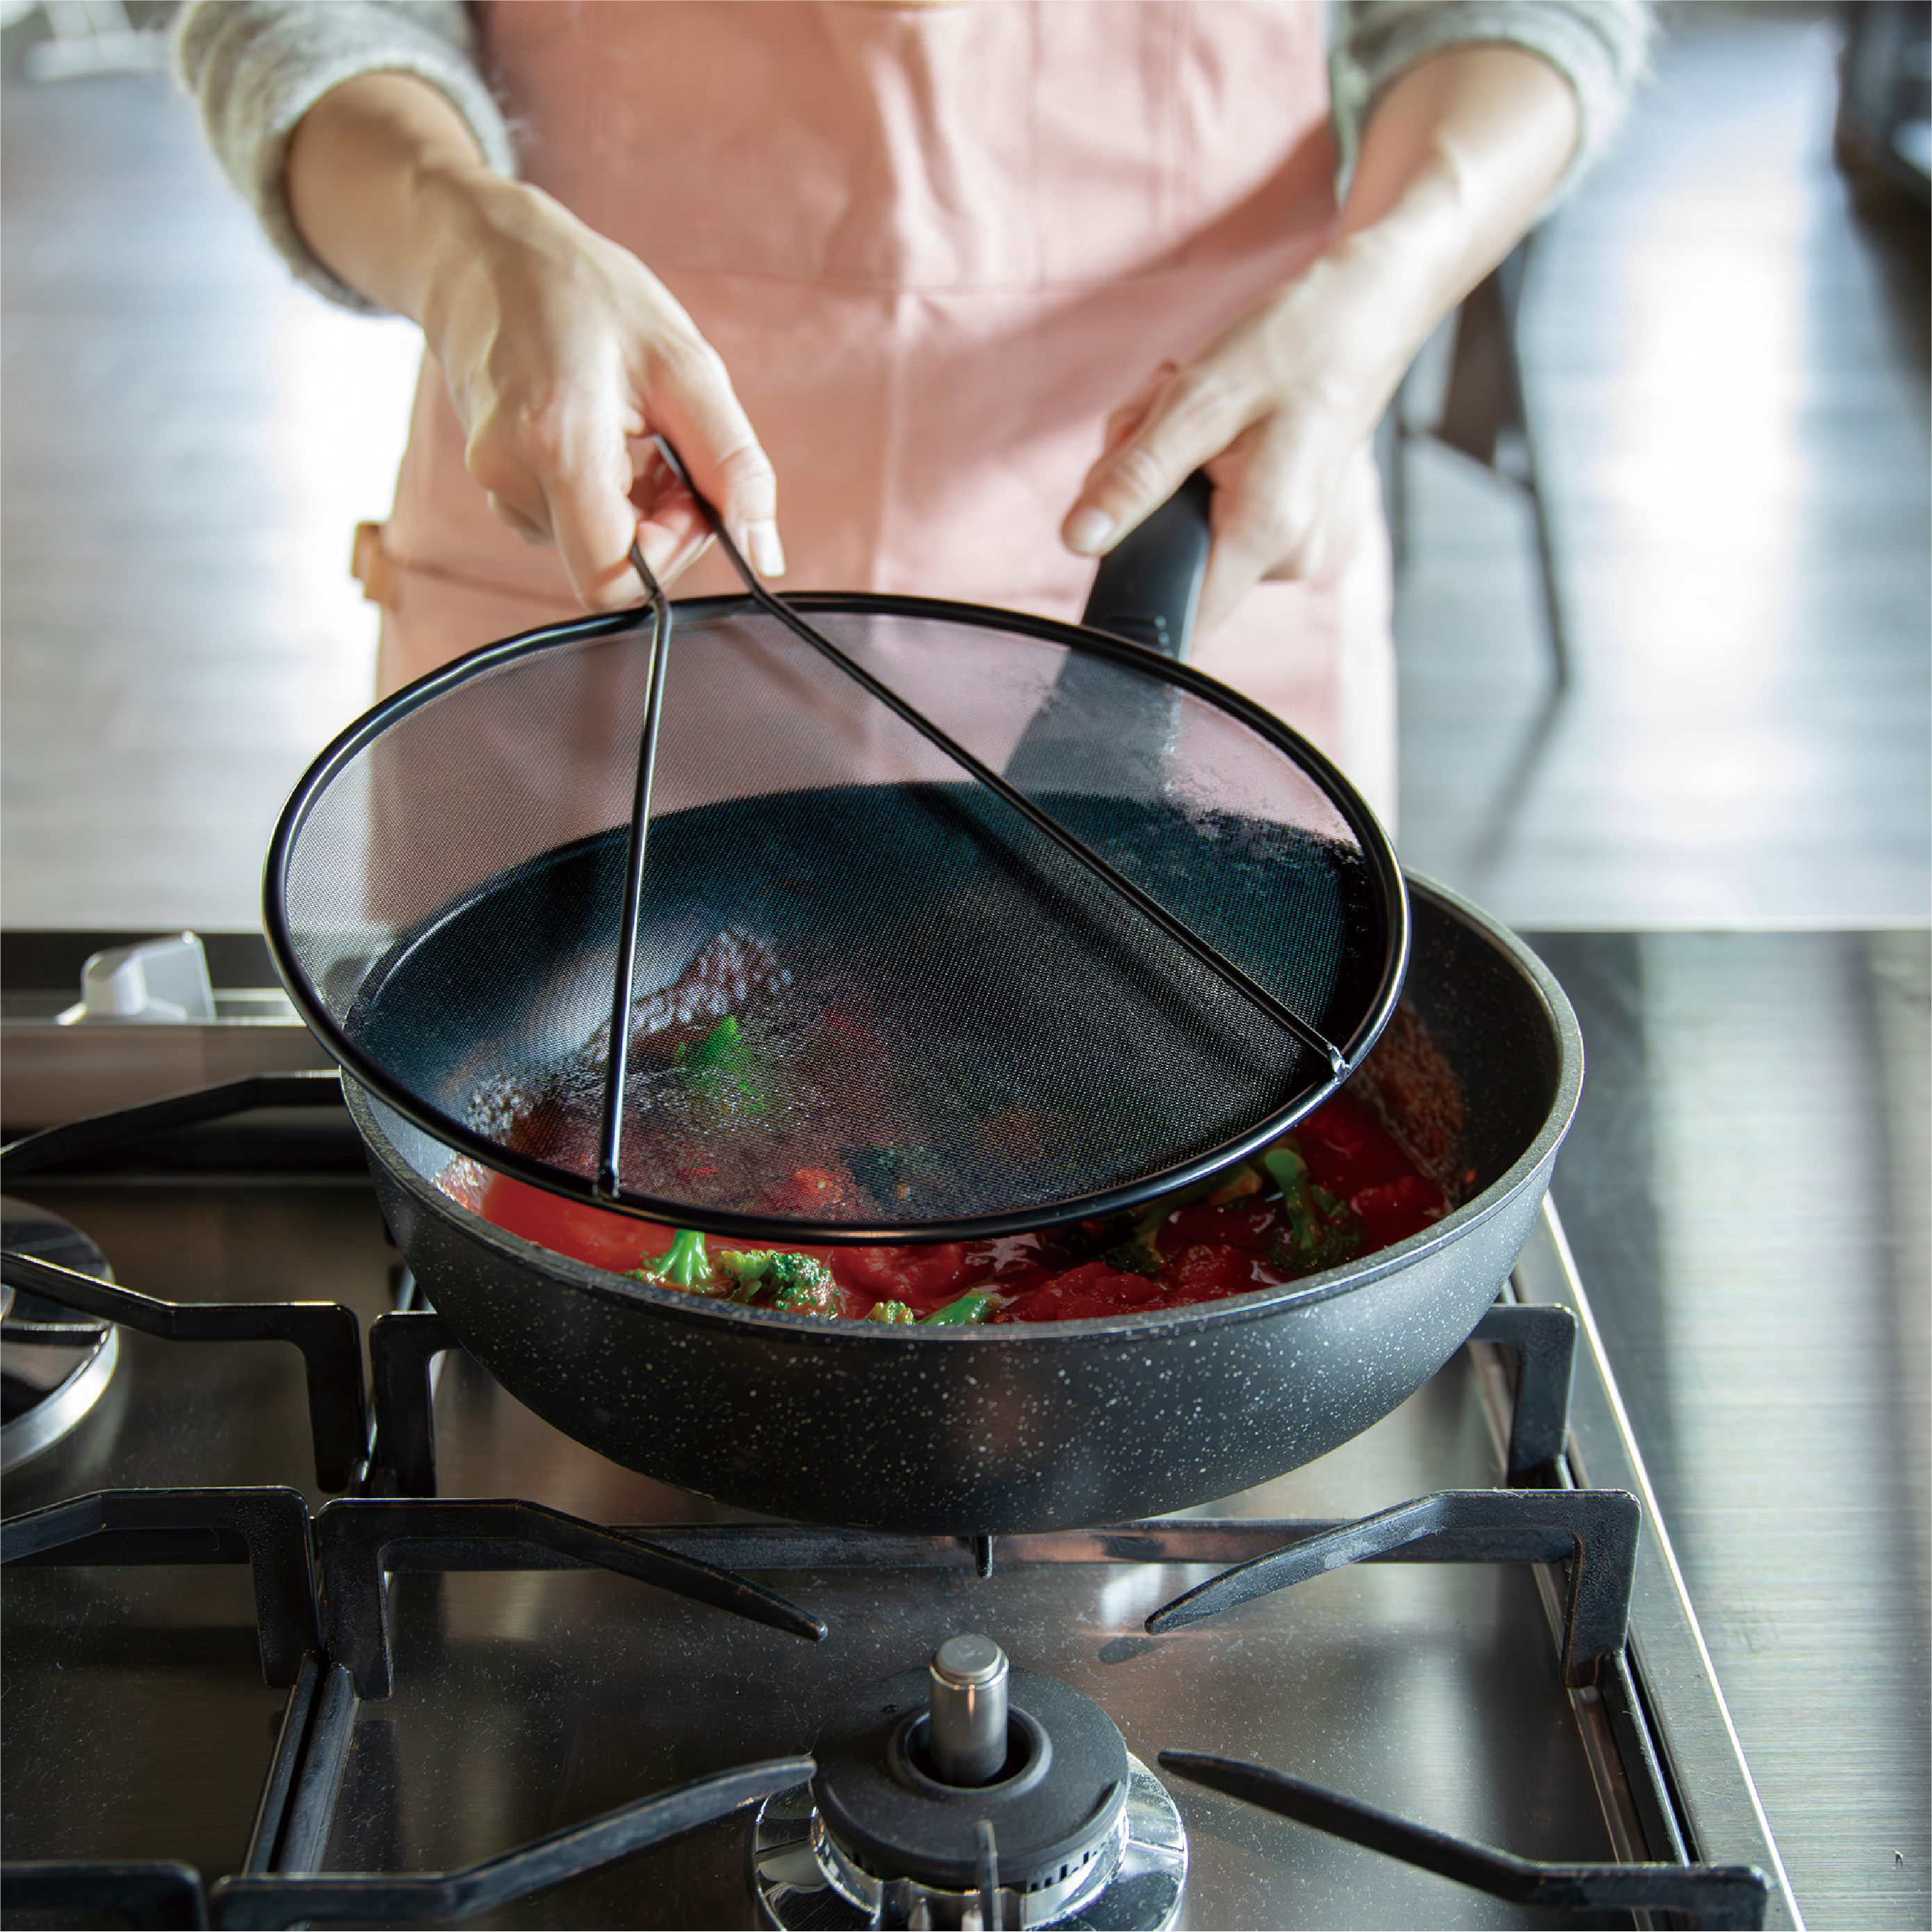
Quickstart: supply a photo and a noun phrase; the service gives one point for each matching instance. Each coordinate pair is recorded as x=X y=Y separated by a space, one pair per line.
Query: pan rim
x=1378 y=851
x=1259 y=1304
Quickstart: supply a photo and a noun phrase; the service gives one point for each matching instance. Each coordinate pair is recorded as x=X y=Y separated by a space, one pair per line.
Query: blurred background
x=1723 y=353
x=1664 y=601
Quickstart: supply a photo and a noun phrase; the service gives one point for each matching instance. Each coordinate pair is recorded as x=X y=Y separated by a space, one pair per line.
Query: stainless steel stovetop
x=486 y=1696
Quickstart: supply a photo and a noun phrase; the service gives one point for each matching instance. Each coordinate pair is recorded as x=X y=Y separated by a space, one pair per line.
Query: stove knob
x=967 y=1730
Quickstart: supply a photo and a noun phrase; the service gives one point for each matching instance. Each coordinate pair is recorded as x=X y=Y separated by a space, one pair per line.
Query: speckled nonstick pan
x=968 y=1431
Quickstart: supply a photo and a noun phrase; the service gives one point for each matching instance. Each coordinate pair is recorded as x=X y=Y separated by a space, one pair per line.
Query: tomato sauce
x=1339 y=1187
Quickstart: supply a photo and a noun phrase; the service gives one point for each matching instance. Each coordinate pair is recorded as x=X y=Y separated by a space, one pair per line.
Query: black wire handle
x=610 y=1134
x=1069 y=841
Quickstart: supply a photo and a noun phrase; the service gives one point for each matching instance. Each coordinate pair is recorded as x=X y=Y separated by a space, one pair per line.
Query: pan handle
x=1148 y=586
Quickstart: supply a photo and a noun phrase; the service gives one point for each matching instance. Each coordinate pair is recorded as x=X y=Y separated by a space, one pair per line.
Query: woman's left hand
x=1458 y=155
x=1274 y=409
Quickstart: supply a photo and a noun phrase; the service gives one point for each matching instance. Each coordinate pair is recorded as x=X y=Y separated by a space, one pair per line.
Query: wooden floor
x=1729 y=375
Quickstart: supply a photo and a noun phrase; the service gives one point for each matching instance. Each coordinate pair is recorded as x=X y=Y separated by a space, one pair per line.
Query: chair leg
x=1485 y=416
x=1509 y=278
x=1546 y=560
x=1392 y=446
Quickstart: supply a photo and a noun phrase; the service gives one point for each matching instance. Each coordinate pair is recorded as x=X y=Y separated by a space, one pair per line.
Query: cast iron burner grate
x=321 y=1598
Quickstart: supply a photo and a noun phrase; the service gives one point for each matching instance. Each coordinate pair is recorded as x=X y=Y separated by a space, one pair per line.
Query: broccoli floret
x=796 y=1282
x=745 y=1273
x=720 y=1066
x=1319 y=1231
x=803 y=1285
x=683 y=1265
x=891 y=1311
x=799 y=1271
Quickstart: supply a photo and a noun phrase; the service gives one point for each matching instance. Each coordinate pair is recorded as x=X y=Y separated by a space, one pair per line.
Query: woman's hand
x=1273 y=408
x=563 y=353
x=1459 y=155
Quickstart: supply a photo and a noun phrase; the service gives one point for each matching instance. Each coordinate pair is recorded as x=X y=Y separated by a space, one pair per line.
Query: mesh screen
x=866 y=991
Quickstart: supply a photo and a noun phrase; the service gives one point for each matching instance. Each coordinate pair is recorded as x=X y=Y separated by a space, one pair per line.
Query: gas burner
x=57 y=1364
x=972 y=1794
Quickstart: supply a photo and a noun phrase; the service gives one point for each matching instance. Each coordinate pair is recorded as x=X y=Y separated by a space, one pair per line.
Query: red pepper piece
x=925 y=1278
x=1347 y=1148
x=1209 y=1270
x=1393 y=1210
x=1092 y=1289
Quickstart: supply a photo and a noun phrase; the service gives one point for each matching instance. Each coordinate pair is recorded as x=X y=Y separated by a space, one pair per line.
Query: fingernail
x=767 y=553
x=1087 y=530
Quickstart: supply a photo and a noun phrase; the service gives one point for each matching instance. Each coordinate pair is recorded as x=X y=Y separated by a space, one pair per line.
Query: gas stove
x=308 y=1621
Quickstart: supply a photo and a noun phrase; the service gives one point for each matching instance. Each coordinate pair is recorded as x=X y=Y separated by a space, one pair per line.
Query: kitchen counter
x=1745 y=1192
x=524 y=1701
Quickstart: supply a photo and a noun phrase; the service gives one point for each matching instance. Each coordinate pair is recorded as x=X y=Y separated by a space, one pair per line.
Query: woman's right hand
x=563 y=353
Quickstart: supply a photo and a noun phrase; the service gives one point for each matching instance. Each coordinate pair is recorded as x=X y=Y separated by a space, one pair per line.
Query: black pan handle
x=1148 y=586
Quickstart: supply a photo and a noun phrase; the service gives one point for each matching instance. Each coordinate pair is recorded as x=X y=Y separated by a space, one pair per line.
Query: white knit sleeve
x=1599 y=46
x=255 y=67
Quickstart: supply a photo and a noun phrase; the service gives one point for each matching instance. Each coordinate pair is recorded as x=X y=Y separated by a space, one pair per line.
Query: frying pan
x=1016 y=1427
x=1021 y=1426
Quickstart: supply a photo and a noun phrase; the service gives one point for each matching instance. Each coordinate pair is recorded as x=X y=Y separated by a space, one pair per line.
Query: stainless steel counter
x=526 y=1701
x=1745 y=1190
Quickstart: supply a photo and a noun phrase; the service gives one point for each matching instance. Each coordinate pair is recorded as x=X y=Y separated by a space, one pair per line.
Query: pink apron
x=934 y=246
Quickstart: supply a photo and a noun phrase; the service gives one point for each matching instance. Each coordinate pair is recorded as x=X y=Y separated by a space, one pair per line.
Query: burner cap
x=1059 y=1793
